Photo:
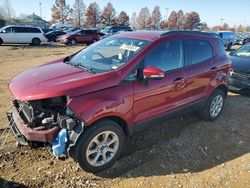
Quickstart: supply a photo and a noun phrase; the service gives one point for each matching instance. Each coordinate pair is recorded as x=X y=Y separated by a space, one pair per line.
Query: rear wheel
x=99 y=147
x=214 y=106
x=1 y=41
x=36 y=42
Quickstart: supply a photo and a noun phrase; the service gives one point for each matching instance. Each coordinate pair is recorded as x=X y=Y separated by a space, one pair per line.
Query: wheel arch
x=119 y=120
x=223 y=88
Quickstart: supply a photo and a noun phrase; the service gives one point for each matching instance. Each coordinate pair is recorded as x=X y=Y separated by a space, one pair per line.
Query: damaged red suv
x=89 y=102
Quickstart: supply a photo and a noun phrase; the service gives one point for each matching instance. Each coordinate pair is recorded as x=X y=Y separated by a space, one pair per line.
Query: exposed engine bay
x=46 y=113
x=45 y=121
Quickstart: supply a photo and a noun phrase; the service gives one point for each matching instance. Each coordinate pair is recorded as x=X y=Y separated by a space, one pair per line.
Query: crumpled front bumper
x=23 y=133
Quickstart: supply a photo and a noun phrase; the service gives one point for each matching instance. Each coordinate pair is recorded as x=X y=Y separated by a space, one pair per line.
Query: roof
x=153 y=35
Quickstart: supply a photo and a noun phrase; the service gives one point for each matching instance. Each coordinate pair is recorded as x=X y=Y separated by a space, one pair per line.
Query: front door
x=157 y=97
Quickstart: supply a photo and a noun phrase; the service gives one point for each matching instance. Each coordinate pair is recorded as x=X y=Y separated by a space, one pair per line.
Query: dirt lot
x=182 y=152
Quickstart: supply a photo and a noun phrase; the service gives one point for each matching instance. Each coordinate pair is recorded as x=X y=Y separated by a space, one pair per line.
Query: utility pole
x=40 y=6
x=167 y=9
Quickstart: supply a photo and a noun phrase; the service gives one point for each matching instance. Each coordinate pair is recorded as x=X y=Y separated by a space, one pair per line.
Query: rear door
x=199 y=67
x=157 y=97
x=21 y=35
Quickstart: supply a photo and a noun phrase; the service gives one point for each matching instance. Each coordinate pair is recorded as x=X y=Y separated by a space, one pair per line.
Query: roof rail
x=188 y=32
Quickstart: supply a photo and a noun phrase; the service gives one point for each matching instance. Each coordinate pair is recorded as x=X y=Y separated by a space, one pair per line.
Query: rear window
x=90 y=31
x=198 y=51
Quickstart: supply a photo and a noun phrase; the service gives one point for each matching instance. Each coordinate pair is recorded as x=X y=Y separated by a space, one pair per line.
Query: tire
x=94 y=40
x=72 y=42
x=209 y=112
x=87 y=149
x=1 y=41
x=36 y=42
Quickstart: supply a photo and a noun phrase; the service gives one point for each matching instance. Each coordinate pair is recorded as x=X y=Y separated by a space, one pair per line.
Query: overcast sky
x=210 y=11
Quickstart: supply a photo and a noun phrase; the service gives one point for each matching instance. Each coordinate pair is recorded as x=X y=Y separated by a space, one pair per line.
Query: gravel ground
x=182 y=152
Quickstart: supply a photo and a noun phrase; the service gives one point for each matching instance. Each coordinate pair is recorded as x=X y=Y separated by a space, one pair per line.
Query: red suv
x=80 y=36
x=113 y=88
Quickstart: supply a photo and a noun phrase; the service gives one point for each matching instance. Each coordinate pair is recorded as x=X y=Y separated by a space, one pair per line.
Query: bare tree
x=180 y=20
x=204 y=26
x=156 y=18
x=133 y=20
x=108 y=15
x=144 y=20
x=92 y=15
x=192 y=20
x=61 y=11
x=123 y=18
x=79 y=12
x=240 y=28
x=1 y=13
x=172 y=20
x=9 y=13
x=225 y=27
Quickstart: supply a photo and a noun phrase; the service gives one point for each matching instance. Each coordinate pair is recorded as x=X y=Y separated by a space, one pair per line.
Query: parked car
x=52 y=35
x=240 y=76
x=246 y=40
x=116 y=87
x=111 y=30
x=228 y=38
x=115 y=29
x=22 y=35
x=80 y=36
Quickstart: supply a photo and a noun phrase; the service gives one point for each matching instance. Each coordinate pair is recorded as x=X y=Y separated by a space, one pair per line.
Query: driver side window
x=7 y=30
x=167 y=56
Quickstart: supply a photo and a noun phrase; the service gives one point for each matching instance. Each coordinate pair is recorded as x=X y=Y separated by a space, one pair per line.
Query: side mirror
x=152 y=73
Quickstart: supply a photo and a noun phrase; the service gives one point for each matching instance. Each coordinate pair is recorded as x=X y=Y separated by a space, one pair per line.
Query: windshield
x=243 y=51
x=108 y=54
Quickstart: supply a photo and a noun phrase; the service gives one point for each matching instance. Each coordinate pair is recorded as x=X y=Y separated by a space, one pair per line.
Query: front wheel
x=99 y=147
x=214 y=106
x=72 y=42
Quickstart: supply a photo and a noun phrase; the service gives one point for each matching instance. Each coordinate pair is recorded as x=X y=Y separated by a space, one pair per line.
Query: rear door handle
x=213 y=68
x=178 y=80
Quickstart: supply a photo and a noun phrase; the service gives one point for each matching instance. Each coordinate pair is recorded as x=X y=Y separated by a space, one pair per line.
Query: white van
x=22 y=35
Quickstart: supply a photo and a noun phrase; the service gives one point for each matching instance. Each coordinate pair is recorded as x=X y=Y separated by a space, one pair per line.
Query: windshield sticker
x=129 y=47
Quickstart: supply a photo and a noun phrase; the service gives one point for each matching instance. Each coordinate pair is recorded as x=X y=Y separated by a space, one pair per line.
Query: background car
x=228 y=38
x=246 y=40
x=22 y=35
x=240 y=76
x=111 y=30
x=52 y=35
x=80 y=36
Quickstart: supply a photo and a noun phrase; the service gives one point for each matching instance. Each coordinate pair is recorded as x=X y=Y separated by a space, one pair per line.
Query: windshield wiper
x=79 y=65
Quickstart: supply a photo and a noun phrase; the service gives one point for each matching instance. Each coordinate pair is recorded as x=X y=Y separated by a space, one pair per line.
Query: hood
x=240 y=64
x=58 y=79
